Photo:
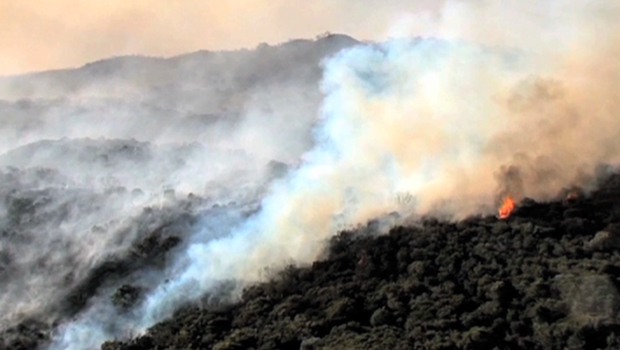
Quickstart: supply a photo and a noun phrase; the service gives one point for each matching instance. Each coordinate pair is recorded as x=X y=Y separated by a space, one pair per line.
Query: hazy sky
x=46 y=34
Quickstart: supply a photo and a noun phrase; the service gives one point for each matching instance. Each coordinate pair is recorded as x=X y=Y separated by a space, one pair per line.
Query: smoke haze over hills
x=257 y=157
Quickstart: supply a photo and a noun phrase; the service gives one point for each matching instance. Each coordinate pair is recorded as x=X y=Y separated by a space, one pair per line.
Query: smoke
x=69 y=206
x=98 y=159
x=87 y=177
x=533 y=88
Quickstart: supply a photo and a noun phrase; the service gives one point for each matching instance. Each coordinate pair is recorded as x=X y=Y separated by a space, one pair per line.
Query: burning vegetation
x=429 y=116
x=507 y=207
x=546 y=279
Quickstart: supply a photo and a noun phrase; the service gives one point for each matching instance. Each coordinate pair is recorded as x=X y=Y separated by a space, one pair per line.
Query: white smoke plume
x=438 y=119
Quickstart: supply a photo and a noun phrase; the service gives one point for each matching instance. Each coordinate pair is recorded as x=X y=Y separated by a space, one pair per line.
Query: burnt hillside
x=546 y=278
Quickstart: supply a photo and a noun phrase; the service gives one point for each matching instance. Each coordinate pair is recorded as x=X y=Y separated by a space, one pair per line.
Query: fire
x=507 y=207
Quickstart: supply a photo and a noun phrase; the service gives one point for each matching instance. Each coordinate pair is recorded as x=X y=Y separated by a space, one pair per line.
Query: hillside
x=546 y=278
x=116 y=164
x=318 y=194
x=236 y=71
x=193 y=97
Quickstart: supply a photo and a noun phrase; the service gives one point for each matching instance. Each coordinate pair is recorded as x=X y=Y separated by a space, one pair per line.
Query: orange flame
x=506 y=208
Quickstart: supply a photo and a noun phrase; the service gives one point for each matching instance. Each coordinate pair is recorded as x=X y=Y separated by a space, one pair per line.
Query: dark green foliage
x=531 y=282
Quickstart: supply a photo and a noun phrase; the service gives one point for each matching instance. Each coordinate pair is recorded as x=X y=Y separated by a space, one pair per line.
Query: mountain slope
x=203 y=97
x=234 y=70
x=546 y=278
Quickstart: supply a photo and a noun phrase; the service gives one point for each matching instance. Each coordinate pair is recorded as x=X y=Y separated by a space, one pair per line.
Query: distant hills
x=296 y=60
x=269 y=91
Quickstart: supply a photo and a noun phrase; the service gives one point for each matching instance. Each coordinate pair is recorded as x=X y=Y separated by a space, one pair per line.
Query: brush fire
x=507 y=207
